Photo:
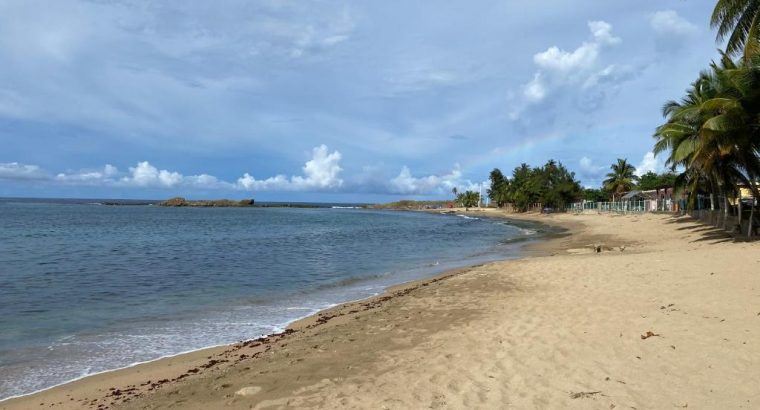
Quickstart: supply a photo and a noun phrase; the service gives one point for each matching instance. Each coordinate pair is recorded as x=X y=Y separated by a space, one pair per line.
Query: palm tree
x=621 y=179
x=738 y=21
x=680 y=135
x=468 y=199
x=713 y=132
x=499 y=190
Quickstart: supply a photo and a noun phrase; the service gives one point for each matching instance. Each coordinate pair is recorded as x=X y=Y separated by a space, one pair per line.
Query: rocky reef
x=222 y=203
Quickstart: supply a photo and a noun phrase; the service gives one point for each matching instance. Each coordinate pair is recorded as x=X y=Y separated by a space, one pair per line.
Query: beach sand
x=666 y=316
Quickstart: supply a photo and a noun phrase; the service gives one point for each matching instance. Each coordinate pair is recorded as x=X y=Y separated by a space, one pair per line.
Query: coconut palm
x=621 y=179
x=738 y=22
x=713 y=131
x=499 y=190
x=679 y=136
x=468 y=198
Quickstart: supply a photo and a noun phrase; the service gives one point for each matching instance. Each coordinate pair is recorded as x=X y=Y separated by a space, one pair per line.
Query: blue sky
x=331 y=101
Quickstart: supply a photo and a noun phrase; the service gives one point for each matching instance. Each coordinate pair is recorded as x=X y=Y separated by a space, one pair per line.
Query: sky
x=339 y=101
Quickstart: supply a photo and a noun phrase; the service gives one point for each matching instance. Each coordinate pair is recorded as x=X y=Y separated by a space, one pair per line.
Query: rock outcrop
x=179 y=201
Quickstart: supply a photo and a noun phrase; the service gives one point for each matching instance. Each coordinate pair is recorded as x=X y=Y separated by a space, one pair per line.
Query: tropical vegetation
x=738 y=22
x=551 y=185
x=595 y=195
x=468 y=199
x=653 y=181
x=499 y=190
x=622 y=178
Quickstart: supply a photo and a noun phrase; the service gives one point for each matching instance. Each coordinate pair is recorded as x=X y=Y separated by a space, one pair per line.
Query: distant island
x=222 y=203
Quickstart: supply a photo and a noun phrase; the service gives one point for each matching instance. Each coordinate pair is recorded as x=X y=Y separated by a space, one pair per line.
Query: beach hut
x=633 y=201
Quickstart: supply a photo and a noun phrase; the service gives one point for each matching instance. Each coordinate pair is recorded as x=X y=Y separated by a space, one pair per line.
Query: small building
x=653 y=200
x=633 y=196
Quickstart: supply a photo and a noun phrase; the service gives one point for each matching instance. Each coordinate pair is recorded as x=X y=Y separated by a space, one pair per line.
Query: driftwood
x=583 y=394
x=648 y=335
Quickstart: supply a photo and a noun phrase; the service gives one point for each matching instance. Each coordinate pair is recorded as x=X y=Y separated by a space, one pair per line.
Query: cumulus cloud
x=406 y=183
x=322 y=172
x=583 y=57
x=671 y=30
x=145 y=174
x=21 y=172
x=578 y=73
x=650 y=163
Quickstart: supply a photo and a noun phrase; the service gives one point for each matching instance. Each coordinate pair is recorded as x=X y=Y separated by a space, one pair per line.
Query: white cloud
x=602 y=32
x=406 y=183
x=582 y=58
x=249 y=183
x=669 y=22
x=578 y=73
x=109 y=171
x=321 y=172
x=145 y=175
x=650 y=163
x=21 y=172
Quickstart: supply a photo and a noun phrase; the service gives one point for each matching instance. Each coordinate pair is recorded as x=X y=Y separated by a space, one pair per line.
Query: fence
x=624 y=207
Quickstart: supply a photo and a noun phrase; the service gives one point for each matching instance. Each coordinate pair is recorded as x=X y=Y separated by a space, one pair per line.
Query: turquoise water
x=87 y=288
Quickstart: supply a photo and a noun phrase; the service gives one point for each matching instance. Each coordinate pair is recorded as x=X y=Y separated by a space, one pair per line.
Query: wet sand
x=666 y=316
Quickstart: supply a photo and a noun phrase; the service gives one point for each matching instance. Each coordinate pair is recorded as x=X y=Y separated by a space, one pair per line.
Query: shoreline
x=531 y=247
x=666 y=302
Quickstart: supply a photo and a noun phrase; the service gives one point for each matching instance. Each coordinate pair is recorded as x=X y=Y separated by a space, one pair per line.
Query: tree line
x=551 y=185
x=554 y=186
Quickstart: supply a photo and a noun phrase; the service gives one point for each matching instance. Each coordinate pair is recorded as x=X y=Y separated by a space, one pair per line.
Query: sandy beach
x=666 y=316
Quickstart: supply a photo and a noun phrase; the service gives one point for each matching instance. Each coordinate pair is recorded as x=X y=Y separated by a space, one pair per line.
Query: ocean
x=86 y=288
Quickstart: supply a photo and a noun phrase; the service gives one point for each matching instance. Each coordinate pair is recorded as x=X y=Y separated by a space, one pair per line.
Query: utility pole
x=480 y=194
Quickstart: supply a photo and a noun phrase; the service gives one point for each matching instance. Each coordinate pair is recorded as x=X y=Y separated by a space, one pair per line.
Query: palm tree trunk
x=739 y=214
x=751 y=218
x=725 y=211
